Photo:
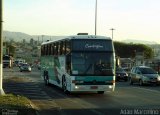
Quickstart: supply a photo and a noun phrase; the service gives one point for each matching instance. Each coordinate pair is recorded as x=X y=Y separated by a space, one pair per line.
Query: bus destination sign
x=91 y=45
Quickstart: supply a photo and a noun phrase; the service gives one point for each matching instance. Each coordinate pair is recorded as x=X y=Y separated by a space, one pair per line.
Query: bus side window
x=68 y=64
x=68 y=47
x=64 y=47
x=45 y=49
x=61 y=48
x=52 y=51
x=42 y=50
x=56 y=48
x=49 y=49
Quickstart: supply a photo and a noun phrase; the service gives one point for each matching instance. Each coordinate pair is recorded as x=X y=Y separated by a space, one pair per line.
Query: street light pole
x=112 y=32
x=1 y=47
x=96 y=18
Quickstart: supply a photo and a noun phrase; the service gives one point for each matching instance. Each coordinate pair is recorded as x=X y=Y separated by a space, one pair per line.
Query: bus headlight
x=158 y=78
x=76 y=87
x=126 y=74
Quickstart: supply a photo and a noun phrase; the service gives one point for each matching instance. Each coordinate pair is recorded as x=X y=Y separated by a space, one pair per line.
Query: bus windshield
x=98 y=64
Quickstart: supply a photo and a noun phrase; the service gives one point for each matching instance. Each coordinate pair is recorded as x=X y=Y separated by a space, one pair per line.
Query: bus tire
x=100 y=92
x=46 y=77
x=46 y=80
x=64 y=85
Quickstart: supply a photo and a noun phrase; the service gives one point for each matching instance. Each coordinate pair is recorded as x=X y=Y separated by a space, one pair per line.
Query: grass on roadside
x=15 y=79
x=15 y=104
x=11 y=101
x=11 y=104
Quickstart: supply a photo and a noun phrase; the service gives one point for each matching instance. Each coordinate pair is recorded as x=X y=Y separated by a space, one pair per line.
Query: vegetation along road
x=126 y=99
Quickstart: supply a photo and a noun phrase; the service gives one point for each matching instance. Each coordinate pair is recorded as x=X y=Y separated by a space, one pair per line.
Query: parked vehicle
x=121 y=74
x=7 y=61
x=25 y=67
x=144 y=75
x=18 y=62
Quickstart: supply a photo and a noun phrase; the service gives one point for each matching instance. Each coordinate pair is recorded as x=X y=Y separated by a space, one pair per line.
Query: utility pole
x=96 y=18
x=112 y=32
x=1 y=46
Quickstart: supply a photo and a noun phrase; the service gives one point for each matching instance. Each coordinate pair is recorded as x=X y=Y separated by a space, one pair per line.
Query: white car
x=144 y=75
x=25 y=67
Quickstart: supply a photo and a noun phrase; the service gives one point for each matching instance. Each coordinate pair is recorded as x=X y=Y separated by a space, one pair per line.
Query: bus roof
x=78 y=37
x=88 y=37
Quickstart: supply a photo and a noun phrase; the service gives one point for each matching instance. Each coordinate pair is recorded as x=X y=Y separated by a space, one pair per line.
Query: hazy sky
x=131 y=19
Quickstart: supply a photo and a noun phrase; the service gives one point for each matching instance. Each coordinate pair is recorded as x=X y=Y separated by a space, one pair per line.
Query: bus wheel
x=100 y=92
x=64 y=85
x=46 y=80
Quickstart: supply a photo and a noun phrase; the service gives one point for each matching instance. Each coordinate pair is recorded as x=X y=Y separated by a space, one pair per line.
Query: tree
x=125 y=50
x=31 y=41
x=10 y=49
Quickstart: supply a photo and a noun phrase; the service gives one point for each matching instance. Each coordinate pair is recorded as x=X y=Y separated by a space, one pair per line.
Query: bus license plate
x=94 y=87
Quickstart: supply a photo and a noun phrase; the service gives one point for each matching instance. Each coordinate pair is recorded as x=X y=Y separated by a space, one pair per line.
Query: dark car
x=144 y=75
x=25 y=67
x=121 y=74
x=20 y=64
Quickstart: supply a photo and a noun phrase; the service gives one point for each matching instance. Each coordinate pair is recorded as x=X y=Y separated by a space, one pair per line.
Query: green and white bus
x=79 y=63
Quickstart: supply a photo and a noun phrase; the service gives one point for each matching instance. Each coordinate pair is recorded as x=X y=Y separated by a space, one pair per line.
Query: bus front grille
x=95 y=83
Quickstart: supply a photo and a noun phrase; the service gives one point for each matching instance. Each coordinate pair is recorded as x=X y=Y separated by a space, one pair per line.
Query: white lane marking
x=152 y=90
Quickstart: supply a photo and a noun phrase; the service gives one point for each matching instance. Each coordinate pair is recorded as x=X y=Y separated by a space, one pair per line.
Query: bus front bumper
x=109 y=88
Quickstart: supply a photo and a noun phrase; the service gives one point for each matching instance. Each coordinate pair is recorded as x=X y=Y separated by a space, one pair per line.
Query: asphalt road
x=125 y=100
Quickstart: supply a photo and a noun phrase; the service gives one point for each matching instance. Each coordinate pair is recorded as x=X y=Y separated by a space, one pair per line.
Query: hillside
x=19 y=36
x=16 y=36
x=138 y=41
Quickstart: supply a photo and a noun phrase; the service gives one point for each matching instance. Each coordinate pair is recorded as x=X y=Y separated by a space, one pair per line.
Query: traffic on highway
x=54 y=61
x=126 y=99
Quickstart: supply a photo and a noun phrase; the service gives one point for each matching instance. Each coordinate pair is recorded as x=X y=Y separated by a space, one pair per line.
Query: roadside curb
x=44 y=105
x=34 y=107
